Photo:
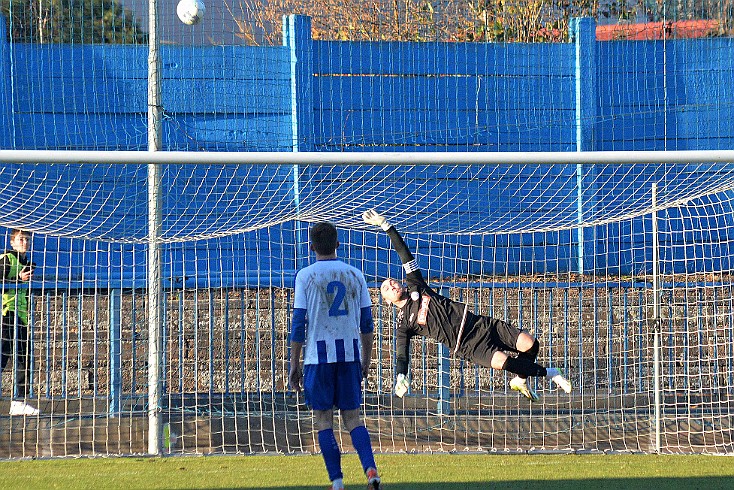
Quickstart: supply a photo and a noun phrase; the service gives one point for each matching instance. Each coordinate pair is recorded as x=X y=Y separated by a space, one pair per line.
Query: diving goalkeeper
x=480 y=339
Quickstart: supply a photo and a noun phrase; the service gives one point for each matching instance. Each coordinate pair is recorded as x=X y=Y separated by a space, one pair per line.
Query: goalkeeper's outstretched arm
x=396 y=296
x=406 y=257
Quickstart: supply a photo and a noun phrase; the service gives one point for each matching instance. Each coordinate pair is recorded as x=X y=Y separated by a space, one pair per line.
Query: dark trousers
x=15 y=342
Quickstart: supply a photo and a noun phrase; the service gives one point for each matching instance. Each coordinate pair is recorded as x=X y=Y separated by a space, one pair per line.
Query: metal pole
x=656 y=314
x=580 y=52
x=115 y=302
x=155 y=432
x=401 y=159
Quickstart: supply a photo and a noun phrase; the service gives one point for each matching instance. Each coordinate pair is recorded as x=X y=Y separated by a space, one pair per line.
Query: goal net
x=521 y=180
x=584 y=288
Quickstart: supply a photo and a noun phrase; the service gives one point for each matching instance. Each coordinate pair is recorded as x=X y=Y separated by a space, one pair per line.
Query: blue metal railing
x=72 y=345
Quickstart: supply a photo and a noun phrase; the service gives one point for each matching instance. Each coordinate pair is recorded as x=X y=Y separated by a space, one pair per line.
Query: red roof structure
x=684 y=29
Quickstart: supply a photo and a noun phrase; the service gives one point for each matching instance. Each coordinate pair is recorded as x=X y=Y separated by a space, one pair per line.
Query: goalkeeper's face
x=392 y=290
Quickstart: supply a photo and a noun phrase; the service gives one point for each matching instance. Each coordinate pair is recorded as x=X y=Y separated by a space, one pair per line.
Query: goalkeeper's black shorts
x=484 y=338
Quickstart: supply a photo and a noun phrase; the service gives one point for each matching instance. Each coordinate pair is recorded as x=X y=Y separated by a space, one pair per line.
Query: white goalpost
x=372 y=158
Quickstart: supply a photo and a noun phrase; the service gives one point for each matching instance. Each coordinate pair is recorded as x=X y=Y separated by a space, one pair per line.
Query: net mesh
x=109 y=202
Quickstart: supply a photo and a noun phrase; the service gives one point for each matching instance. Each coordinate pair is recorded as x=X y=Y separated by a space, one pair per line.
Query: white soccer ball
x=190 y=11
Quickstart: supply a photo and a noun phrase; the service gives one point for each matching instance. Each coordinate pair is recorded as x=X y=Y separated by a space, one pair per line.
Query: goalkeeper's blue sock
x=331 y=453
x=363 y=446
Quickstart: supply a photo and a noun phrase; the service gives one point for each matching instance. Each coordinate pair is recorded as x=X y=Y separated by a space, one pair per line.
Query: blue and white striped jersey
x=333 y=294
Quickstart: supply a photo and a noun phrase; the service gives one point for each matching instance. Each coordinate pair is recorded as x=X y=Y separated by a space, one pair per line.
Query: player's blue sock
x=331 y=453
x=361 y=442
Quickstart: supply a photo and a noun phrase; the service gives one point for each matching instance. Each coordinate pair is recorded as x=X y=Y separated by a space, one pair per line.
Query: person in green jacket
x=16 y=271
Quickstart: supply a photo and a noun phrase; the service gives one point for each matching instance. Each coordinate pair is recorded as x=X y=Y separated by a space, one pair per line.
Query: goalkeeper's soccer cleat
x=520 y=384
x=373 y=481
x=557 y=377
x=337 y=484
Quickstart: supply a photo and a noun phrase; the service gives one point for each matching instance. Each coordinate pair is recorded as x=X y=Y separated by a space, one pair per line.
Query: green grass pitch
x=398 y=471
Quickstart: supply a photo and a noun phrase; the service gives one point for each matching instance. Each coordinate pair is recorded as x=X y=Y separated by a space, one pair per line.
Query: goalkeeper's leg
x=524 y=367
x=528 y=348
x=513 y=339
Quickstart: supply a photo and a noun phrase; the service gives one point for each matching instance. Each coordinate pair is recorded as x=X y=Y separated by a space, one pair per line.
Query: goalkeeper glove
x=401 y=385
x=372 y=217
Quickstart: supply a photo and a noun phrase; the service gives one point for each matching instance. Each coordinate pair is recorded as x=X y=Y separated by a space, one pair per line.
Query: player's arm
x=298 y=336
x=4 y=267
x=413 y=273
x=402 y=350
x=295 y=374
x=367 y=339
x=402 y=356
x=415 y=281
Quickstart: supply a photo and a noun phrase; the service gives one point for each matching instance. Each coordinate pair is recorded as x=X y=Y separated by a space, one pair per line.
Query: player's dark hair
x=16 y=231
x=323 y=238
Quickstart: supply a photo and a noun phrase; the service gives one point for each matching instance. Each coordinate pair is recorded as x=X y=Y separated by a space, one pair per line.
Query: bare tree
x=407 y=20
x=458 y=20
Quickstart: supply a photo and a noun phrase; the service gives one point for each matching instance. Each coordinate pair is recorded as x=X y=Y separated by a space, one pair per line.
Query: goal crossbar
x=372 y=158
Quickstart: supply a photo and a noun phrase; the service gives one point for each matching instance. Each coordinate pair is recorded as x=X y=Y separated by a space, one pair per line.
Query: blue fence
x=360 y=96
x=215 y=338
x=367 y=96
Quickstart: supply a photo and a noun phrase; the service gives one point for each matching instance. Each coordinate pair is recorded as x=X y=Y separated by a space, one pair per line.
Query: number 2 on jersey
x=341 y=291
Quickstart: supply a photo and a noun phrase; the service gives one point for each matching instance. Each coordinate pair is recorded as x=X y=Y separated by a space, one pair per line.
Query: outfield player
x=332 y=326
x=480 y=339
